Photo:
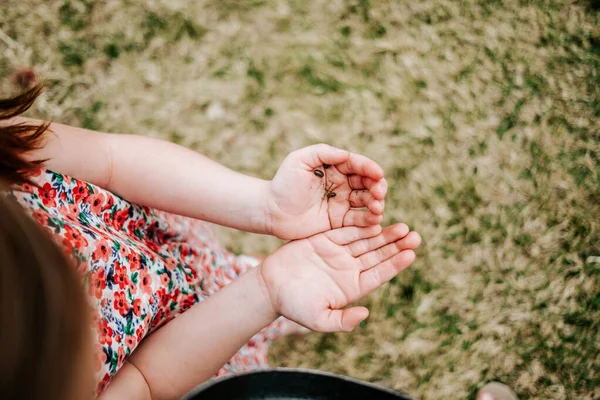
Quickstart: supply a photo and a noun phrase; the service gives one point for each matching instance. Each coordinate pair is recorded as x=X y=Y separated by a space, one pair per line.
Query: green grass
x=484 y=115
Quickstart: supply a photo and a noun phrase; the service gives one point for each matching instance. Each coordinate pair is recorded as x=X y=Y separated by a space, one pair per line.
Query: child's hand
x=303 y=202
x=310 y=281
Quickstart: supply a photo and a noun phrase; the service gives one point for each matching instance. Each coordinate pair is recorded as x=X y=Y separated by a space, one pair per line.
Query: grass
x=484 y=114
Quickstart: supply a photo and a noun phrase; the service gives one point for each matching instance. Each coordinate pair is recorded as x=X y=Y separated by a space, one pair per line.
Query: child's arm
x=310 y=281
x=158 y=174
x=194 y=346
x=169 y=177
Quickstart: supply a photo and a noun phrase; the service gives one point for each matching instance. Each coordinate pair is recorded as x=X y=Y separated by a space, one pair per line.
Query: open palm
x=347 y=190
x=310 y=281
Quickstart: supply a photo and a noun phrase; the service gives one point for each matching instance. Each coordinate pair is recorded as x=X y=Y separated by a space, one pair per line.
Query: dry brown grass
x=484 y=114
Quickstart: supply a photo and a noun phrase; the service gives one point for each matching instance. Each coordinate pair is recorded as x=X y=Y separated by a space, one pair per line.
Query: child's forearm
x=194 y=346
x=160 y=175
x=169 y=177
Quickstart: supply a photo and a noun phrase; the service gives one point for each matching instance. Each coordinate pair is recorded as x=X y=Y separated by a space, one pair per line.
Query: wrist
x=260 y=213
x=260 y=295
x=274 y=218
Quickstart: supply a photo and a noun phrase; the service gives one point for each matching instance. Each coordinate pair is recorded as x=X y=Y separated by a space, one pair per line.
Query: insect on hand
x=328 y=192
x=319 y=173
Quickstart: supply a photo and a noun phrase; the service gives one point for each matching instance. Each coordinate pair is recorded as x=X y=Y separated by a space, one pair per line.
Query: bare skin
x=301 y=205
x=290 y=206
x=310 y=281
x=338 y=268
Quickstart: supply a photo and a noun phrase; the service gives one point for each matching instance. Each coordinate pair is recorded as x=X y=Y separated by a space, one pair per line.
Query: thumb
x=345 y=320
x=319 y=154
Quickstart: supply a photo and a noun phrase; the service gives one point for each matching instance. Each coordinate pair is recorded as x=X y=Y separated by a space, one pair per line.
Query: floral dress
x=141 y=267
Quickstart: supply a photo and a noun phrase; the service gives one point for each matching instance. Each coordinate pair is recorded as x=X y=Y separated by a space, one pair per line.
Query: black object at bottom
x=290 y=384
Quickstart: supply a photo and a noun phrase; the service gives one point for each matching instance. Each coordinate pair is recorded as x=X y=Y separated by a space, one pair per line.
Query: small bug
x=319 y=173
x=328 y=192
x=326 y=166
x=331 y=194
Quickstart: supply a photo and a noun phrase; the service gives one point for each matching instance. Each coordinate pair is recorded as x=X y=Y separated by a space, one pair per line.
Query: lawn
x=485 y=116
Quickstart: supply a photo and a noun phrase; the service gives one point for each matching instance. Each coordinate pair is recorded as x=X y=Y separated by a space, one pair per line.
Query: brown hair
x=43 y=311
x=17 y=139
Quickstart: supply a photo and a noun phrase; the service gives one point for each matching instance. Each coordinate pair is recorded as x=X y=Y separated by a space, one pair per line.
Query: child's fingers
x=361 y=218
x=373 y=278
x=364 y=198
x=319 y=154
x=388 y=235
x=361 y=165
x=349 y=234
x=375 y=257
x=344 y=320
x=378 y=188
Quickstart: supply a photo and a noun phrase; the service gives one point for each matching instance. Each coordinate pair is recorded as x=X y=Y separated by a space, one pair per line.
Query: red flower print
x=171 y=263
x=130 y=342
x=48 y=195
x=140 y=224
x=75 y=237
x=153 y=246
x=131 y=227
x=63 y=197
x=73 y=209
x=63 y=210
x=26 y=187
x=190 y=276
x=188 y=302
x=164 y=280
x=132 y=288
x=120 y=218
x=120 y=277
x=96 y=201
x=134 y=261
x=121 y=304
x=110 y=201
x=185 y=251
x=146 y=282
x=120 y=356
x=97 y=283
x=175 y=295
x=162 y=297
x=123 y=252
x=118 y=338
x=105 y=333
x=81 y=191
x=137 y=307
x=158 y=320
x=102 y=251
x=41 y=217
x=139 y=332
x=107 y=219
x=104 y=383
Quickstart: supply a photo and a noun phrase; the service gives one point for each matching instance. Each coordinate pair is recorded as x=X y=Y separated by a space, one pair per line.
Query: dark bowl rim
x=219 y=380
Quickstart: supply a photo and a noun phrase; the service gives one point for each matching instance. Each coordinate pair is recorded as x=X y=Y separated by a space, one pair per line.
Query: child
x=145 y=266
